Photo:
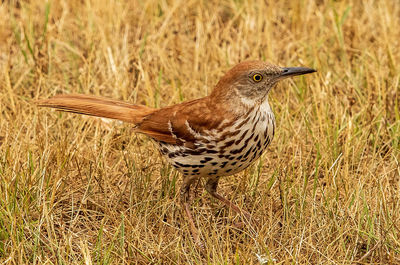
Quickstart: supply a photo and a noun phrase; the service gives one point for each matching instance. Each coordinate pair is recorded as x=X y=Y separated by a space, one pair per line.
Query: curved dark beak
x=293 y=71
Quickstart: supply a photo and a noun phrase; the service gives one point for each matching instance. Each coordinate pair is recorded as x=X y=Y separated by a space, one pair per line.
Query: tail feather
x=98 y=106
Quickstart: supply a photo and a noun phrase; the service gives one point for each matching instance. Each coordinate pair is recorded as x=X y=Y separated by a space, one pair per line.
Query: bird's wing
x=182 y=124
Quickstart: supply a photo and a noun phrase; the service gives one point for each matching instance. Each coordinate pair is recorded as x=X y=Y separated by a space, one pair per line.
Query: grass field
x=81 y=190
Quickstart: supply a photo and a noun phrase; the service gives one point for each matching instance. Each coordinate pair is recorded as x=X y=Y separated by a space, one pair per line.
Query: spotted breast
x=227 y=150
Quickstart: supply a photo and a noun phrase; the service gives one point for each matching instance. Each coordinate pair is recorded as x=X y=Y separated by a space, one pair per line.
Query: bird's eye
x=257 y=77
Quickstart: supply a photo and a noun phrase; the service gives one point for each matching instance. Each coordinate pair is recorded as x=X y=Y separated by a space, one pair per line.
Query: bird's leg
x=211 y=187
x=185 y=200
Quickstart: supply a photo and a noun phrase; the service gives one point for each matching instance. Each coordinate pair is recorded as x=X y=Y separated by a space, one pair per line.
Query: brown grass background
x=80 y=190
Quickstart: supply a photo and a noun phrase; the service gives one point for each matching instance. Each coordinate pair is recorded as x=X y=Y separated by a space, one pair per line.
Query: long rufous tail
x=98 y=106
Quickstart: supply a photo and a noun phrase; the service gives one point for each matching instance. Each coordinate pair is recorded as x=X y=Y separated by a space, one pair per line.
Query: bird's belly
x=222 y=157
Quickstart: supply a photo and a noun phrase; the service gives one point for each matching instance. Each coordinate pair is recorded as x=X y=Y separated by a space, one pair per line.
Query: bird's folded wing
x=182 y=124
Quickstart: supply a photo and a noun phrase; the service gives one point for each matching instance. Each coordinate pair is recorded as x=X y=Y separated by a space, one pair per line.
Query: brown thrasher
x=218 y=135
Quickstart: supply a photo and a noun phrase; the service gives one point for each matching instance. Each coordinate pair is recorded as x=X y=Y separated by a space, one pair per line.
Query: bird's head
x=251 y=81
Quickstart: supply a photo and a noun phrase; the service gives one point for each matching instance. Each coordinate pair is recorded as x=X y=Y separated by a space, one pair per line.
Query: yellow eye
x=257 y=77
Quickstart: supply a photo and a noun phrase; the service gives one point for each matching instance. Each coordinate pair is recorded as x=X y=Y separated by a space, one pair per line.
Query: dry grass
x=82 y=190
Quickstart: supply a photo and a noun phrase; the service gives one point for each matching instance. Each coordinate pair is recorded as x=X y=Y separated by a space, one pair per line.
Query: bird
x=207 y=138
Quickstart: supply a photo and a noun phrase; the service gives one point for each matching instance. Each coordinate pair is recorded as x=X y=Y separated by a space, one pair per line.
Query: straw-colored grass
x=80 y=190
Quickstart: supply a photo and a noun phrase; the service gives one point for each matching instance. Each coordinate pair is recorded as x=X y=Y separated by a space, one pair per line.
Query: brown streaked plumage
x=218 y=135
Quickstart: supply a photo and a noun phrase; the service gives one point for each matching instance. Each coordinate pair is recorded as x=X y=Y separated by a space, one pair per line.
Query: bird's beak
x=293 y=71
